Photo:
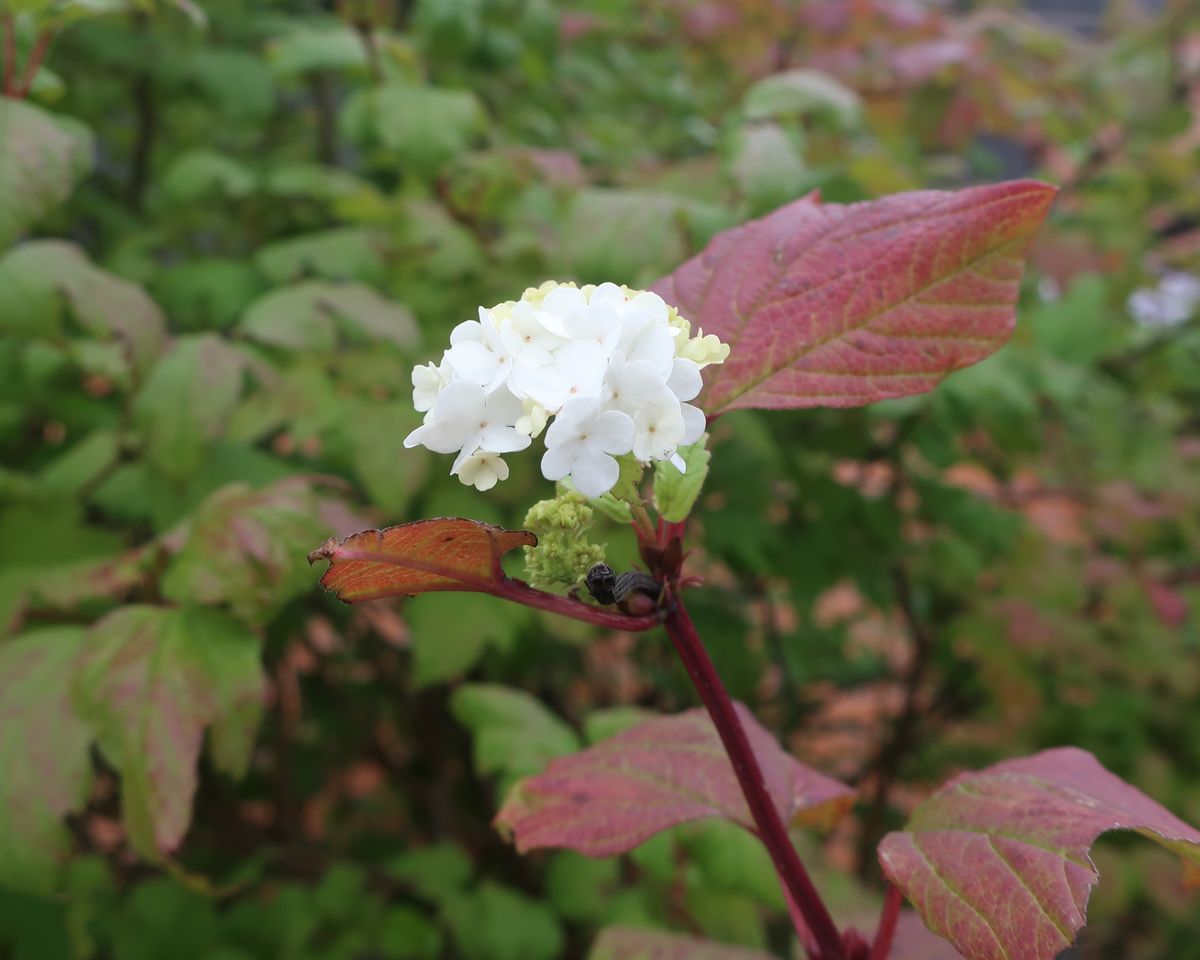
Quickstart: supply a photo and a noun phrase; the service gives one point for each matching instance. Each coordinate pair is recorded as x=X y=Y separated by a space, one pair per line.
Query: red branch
x=520 y=592
x=40 y=46
x=818 y=933
x=882 y=944
x=10 y=54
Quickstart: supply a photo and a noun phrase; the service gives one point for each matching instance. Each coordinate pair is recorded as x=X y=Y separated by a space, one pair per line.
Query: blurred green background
x=228 y=230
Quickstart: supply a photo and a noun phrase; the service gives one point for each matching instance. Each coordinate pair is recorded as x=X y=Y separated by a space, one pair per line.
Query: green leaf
x=346 y=253
x=208 y=293
x=43 y=282
x=580 y=887
x=497 y=923
x=437 y=872
x=800 y=93
x=423 y=126
x=201 y=174
x=311 y=315
x=515 y=735
x=307 y=49
x=246 y=548
x=390 y=474
x=479 y=622
x=81 y=465
x=149 y=683
x=186 y=401
x=675 y=493
x=768 y=166
x=43 y=756
x=733 y=860
x=42 y=159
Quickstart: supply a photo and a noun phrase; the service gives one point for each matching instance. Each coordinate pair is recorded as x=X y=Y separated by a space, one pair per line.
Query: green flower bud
x=564 y=554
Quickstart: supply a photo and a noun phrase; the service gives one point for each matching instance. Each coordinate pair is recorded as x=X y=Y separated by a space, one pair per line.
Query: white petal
x=678 y=462
x=612 y=432
x=595 y=474
x=607 y=295
x=497 y=439
x=462 y=399
x=694 y=423
x=558 y=461
x=502 y=407
x=572 y=419
x=685 y=381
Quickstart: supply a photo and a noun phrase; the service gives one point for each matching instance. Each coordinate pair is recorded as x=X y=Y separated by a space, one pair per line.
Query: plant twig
x=40 y=46
x=10 y=54
x=887 y=762
x=818 y=933
x=146 y=115
x=882 y=944
x=520 y=592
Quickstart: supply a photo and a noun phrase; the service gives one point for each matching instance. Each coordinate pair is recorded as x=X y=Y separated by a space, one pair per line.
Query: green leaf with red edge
x=997 y=861
x=244 y=547
x=45 y=770
x=448 y=553
x=670 y=770
x=622 y=943
x=838 y=306
x=149 y=682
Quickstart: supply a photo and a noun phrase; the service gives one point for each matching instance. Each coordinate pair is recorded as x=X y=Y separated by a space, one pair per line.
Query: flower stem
x=40 y=46
x=817 y=931
x=882 y=944
x=520 y=592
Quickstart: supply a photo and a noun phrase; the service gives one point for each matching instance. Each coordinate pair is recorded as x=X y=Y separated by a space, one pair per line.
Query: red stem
x=520 y=592
x=40 y=46
x=10 y=54
x=821 y=938
x=882 y=944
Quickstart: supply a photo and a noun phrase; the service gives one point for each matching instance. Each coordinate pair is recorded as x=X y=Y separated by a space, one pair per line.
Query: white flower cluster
x=614 y=367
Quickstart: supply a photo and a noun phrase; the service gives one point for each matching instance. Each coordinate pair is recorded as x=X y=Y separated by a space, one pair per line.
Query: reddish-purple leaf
x=442 y=554
x=620 y=943
x=669 y=770
x=839 y=306
x=997 y=861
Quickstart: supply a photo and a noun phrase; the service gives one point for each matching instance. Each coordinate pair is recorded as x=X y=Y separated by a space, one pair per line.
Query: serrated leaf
x=617 y=943
x=839 y=306
x=796 y=93
x=199 y=174
x=344 y=253
x=314 y=315
x=670 y=770
x=496 y=923
x=245 y=548
x=997 y=861
x=675 y=493
x=41 y=159
x=149 y=682
x=186 y=400
x=423 y=126
x=514 y=733
x=448 y=553
x=46 y=770
x=39 y=279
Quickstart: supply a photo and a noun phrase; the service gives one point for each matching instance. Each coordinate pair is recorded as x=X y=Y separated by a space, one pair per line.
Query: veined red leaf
x=997 y=861
x=448 y=553
x=670 y=770
x=620 y=943
x=839 y=306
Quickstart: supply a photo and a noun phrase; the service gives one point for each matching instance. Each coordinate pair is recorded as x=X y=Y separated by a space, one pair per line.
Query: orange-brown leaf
x=449 y=553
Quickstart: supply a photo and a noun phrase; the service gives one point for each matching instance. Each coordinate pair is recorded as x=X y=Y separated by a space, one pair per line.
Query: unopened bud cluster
x=611 y=370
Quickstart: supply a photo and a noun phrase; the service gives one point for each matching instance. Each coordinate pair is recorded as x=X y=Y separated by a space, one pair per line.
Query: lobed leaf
x=620 y=943
x=670 y=770
x=41 y=158
x=45 y=770
x=997 y=861
x=839 y=306
x=149 y=682
x=447 y=553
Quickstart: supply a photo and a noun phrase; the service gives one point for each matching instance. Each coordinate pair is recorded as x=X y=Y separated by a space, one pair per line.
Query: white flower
x=477 y=353
x=582 y=443
x=465 y=420
x=428 y=380
x=615 y=369
x=659 y=427
x=482 y=470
